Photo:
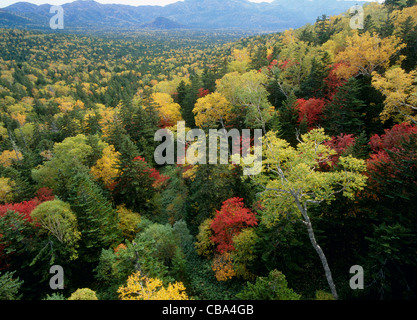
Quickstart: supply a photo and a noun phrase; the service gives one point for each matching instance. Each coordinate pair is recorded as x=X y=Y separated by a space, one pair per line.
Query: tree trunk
x=322 y=257
x=318 y=249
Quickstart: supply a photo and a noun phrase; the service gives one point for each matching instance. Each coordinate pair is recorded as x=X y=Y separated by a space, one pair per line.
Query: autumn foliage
x=310 y=110
x=159 y=180
x=229 y=221
x=340 y=144
x=389 y=141
x=26 y=207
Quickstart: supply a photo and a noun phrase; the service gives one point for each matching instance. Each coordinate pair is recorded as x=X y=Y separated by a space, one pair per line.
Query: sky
x=5 y=3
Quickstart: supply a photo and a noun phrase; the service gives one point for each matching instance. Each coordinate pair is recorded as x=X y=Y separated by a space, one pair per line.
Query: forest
x=80 y=187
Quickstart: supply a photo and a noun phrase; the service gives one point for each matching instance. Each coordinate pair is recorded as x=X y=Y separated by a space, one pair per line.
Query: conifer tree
x=343 y=114
x=96 y=218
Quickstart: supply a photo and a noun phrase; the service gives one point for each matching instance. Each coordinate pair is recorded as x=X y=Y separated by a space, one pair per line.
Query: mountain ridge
x=201 y=14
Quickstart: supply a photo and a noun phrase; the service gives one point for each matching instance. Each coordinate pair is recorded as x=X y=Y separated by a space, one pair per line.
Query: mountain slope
x=203 y=14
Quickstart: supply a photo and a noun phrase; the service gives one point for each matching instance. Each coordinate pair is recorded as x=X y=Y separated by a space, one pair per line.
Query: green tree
x=10 y=286
x=97 y=219
x=287 y=120
x=272 y=287
x=134 y=184
x=56 y=219
x=74 y=154
x=83 y=294
x=344 y=113
x=293 y=182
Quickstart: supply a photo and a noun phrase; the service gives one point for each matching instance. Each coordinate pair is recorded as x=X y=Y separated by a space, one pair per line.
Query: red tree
x=203 y=92
x=229 y=221
x=389 y=141
x=158 y=178
x=340 y=144
x=311 y=110
x=333 y=81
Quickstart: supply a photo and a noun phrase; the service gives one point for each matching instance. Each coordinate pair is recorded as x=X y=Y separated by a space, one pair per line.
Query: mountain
x=163 y=23
x=201 y=14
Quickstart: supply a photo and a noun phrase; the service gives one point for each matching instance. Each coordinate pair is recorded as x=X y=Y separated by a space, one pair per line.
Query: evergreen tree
x=208 y=79
x=408 y=32
x=343 y=114
x=189 y=101
x=140 y=124
x=97 y=220
x=387 y=28
x=322 y=29
x=313 y=85
x=259 y=59
x=287 y=121
x=181 y=93
x=368 y=25
x=133 y=186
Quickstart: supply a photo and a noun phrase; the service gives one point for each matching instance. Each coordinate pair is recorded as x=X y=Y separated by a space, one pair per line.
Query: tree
x=408 y=32
x=293 y=182
x=311 y=110
x=133 y=186
x=344 y=113
x=240 y=61
x=189 y=100
x=368 y=25
x=342 y=145
x=313 y=85
x=248 y=93
x=97 y=219
x=10 y=286
x=393 y=4
x=169 y=111
x=56 y=219
x=105 y=169
x=232 y=218
x=366 y=53
x=272 y=287
x=387 y=147
x=211 y=110
x=400 y=91
x=117 y=264
x=288 y=120
x=83 y=294
x=6 y=190
x=140 y=287
x=128 y=222
x=74 y=154
x=243 y=255
x=17 y=237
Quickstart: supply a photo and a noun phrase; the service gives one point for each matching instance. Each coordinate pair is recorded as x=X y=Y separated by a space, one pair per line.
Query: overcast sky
x=5 y=3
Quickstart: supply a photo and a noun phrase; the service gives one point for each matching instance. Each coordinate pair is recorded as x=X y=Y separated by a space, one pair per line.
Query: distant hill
x=202 y=14
x=163 y=23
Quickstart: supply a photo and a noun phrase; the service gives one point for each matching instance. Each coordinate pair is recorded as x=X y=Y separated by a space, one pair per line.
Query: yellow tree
x=169 y=111
x=140 y=287
x=240 y=61
x=105 y=168
x=212 y=109
x=7 y=157
x=400 y=90
x=6 y=190
x=366 y=52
